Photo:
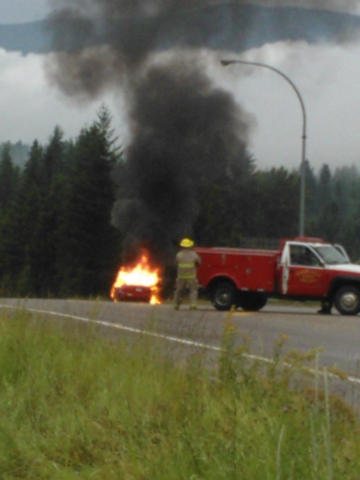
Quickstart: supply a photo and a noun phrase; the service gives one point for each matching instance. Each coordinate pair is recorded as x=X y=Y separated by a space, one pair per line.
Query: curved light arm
x=225 y=63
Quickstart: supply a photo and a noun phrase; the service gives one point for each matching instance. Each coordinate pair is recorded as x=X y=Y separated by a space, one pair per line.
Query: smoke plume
x=183 y=129
x=186 y=133
x=97 y=42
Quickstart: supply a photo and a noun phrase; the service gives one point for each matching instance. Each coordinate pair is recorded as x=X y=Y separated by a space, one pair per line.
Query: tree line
x=56 y=236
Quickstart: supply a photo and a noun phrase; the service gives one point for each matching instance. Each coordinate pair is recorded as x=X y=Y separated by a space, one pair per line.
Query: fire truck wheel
x=223 y=296
x=252 y=302
x=347 y=300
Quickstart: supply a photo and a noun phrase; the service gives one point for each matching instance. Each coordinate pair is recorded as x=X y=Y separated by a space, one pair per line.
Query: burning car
x=138 y=283
x=132 y=293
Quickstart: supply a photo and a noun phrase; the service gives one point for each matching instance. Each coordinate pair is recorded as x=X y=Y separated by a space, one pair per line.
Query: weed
x=77 y=406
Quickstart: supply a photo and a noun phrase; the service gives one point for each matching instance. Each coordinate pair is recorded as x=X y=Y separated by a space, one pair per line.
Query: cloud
x=319 y=71
x=327 y=77
x=14 y=11
x=30 y=109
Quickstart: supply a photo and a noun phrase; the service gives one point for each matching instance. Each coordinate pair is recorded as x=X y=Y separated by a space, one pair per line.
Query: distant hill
x=228 y=26
x=25 y=38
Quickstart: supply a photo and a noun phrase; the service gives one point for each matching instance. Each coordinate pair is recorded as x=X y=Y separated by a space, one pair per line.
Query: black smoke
x=97 y=42
x=184 y=131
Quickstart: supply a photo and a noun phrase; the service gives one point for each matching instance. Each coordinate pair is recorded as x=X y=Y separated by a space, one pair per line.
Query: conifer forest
x=58 y=239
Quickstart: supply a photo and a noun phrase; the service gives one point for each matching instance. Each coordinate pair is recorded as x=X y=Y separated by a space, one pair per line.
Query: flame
x=140 y=275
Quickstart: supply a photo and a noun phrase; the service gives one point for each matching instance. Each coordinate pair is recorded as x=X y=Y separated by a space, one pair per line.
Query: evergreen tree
x=17 y=229
x=43 y=250
x=226 y=205
x=311 y=205
x=19 y=152
x=55 y=232
x=88 y=243
x=346 y=189
x=350 y=236
x=243 y=200
x=324 y=187
x=329 y=222
x=103 y=122
x=53 y=163
x=278 y=204
x=9 y=177
x=211 y=226
x=326 y=223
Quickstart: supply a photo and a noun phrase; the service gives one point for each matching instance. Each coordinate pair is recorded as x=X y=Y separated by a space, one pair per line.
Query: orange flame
x=140 y=275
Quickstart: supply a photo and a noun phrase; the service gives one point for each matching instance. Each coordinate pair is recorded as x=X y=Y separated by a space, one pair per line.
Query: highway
x=184 y=332
x=302 y=328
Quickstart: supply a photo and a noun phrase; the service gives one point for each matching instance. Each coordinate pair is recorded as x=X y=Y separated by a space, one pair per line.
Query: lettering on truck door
x=303 y=273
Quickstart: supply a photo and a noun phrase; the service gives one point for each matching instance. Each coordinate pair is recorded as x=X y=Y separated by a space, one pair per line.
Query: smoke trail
x=185 y=132
x=183 y=129
x=97 y=41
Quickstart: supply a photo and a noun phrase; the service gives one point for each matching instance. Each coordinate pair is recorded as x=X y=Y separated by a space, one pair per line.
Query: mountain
x=25 y=38
x=228 y=26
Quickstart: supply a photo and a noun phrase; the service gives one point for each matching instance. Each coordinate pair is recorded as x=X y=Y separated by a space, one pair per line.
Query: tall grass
x=74 y=406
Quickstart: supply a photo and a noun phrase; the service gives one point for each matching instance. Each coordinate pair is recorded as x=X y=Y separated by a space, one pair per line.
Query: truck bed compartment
x=253 y=270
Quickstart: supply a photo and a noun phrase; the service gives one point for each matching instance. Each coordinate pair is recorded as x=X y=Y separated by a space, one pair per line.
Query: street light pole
x=226 y=63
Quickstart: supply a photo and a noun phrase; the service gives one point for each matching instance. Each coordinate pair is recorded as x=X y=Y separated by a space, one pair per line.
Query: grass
x=74 y=406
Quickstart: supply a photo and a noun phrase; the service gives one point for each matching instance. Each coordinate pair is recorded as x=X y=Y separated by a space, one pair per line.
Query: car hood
x=346 y=268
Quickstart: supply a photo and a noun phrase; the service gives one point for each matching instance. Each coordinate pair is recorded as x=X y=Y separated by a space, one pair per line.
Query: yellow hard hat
x=186 y=243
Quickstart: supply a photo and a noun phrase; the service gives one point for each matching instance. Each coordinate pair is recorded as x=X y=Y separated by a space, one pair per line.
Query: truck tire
x=252 y=302
x=347 y=300
x=223 y=296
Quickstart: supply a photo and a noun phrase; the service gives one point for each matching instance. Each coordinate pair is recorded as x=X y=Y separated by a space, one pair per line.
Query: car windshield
x=331 y=255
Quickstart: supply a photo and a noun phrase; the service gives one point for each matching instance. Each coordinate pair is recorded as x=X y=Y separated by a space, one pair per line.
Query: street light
x=225 y=63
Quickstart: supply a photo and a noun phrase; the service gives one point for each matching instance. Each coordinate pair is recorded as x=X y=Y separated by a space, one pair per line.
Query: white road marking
x=182 y=341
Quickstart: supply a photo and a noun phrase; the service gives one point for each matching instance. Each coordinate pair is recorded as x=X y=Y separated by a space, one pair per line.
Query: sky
x=17 y=11
x=327 y=76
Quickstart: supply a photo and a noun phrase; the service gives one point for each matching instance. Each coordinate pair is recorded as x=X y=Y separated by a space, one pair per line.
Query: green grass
x=74 y=406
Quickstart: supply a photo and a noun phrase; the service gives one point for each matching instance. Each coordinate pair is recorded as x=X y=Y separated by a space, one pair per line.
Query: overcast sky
x=15 y=11
x=327 y=76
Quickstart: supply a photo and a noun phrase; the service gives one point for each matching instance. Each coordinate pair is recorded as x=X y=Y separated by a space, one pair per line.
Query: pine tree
x=9 y=177
x=88 y=243
x=324 y=187
x=17 y=230
x=53 y=163
x=43 y=249
x=278 y=203
x=311 y=204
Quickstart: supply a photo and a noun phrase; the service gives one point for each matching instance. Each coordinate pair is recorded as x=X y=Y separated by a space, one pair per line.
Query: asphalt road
x=338 y=336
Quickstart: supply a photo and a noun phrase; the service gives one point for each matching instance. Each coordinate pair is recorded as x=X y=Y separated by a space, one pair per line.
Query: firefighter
x=186 y=261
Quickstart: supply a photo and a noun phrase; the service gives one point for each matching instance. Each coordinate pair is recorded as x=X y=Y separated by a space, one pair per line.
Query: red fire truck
x=301 y=269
